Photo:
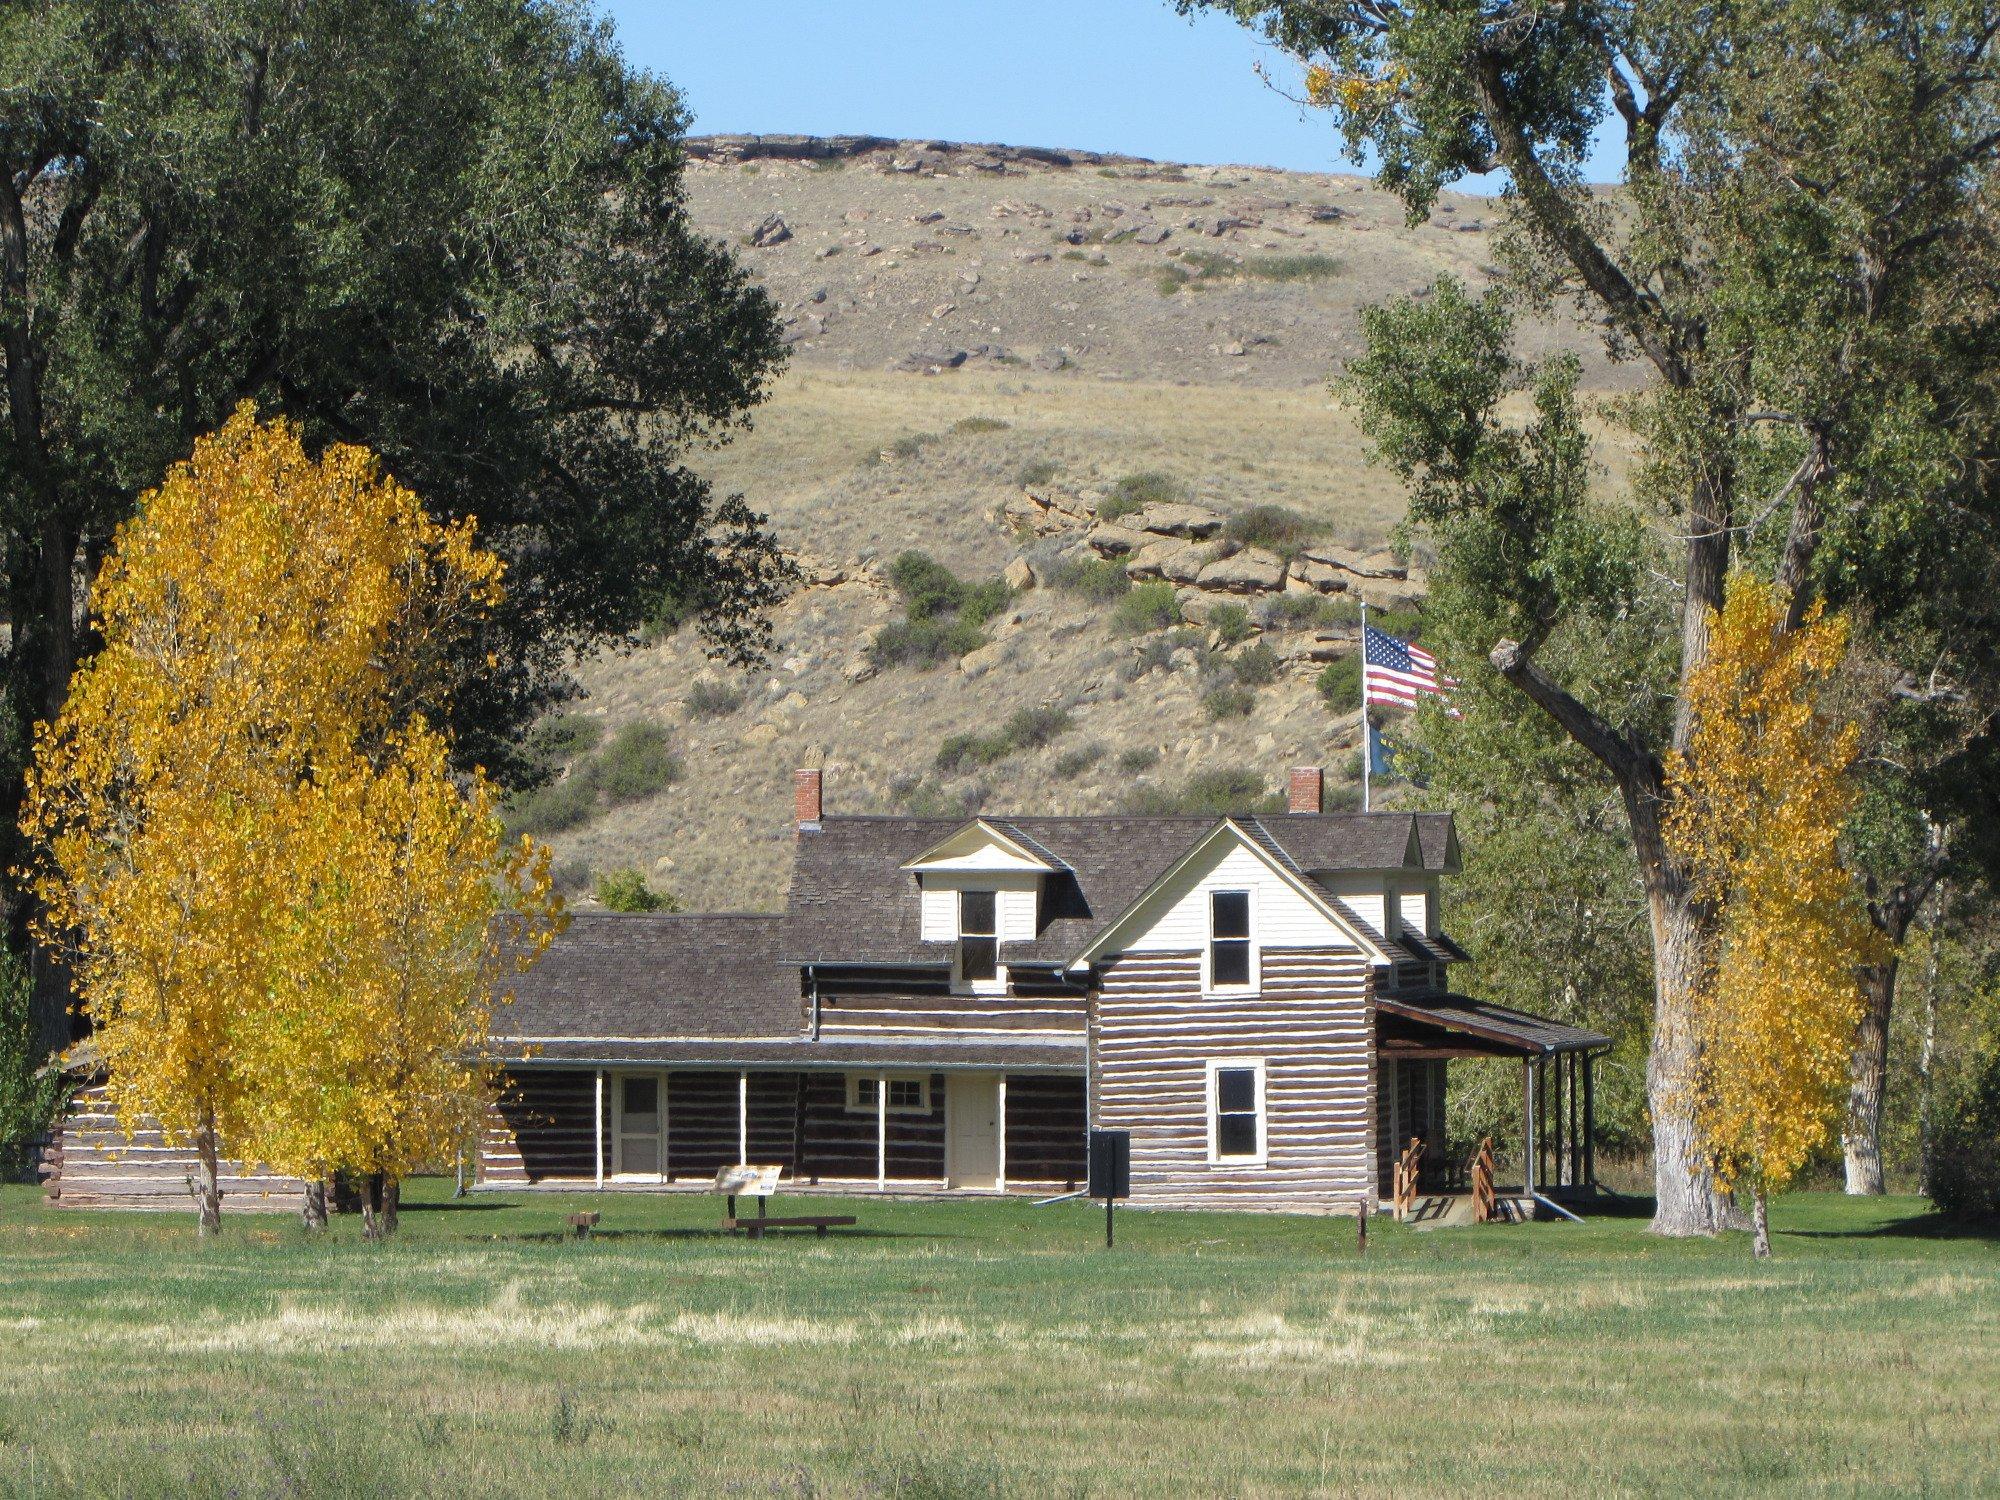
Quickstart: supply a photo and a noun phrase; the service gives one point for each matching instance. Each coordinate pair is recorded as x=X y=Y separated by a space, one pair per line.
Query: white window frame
x=1253 y=1065
x=1208 y=984
x=997 y=985
x=856 y=1105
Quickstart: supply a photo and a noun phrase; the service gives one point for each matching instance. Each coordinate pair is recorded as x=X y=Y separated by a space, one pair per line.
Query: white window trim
x=1215 y=1157
x=997 y=985
x=616 y=1116
x=855 y=1106
x=1208 y=984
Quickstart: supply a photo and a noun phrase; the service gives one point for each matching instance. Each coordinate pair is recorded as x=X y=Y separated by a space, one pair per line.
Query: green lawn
x=988 y=1349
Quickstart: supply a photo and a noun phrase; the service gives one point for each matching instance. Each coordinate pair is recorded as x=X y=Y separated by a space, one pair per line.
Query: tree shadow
x=456 y=1206
x=703 y=1232
x=1932 y=1224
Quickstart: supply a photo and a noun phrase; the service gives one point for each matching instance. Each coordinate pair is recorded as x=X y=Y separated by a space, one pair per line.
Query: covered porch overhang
x=1558 y=1074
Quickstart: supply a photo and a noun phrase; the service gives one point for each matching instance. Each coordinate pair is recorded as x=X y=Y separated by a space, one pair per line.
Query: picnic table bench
x=759 y=1183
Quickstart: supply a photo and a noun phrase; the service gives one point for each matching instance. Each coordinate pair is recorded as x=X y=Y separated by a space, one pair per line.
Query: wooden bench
x=760 y=1183
x=581 y=1224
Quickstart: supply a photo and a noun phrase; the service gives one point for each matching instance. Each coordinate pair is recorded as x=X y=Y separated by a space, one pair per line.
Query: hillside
x=964 y=321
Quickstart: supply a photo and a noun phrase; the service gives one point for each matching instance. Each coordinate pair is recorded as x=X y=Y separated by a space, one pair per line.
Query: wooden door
x=640 y=1143
x=972 y=1137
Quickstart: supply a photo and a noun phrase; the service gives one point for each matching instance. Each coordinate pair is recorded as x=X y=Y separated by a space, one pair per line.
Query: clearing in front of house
x=993 y=1348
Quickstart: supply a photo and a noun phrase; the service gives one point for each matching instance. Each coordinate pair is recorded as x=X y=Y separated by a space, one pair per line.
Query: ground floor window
x=908 y=1094
x=1236 y=1111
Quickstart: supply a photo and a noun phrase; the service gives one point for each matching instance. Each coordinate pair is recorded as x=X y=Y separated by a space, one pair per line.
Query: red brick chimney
x=1307 y=793
x=806 y=798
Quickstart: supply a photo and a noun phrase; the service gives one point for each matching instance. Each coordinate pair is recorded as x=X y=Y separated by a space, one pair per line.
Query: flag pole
x=1367 y=740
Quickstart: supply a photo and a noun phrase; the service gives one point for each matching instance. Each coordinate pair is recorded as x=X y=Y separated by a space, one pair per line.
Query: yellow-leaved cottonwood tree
x=238 y=772
x=1763 y=794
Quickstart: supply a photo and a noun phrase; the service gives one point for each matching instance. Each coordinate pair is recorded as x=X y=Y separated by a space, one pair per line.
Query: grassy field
x=991 y=1349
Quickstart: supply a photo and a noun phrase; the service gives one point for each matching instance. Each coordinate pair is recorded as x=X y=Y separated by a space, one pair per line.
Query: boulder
x=1019 y=575
x=1109 y=540
x=1159 y=554
x=1389 y=594
x=770 y=230
x=1171 y=518
x=931 y=362
x=1183 y=564
x=1152 y=234
x=1322 y=577
x=1251 y=571
x=1361 y=565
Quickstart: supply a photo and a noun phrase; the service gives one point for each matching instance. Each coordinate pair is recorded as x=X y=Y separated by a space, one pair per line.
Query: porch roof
x=801 y=1053
x=1496 y=1027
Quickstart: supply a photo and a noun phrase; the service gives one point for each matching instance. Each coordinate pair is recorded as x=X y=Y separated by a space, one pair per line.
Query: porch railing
x=1482 y=1181
x=1407 y=1167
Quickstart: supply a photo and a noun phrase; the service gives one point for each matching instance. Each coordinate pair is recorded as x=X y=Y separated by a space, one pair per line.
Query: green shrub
x=669 y=613
x=1133 y=762
x=30 y=1099
x=1156 y=652
x=1073 y=763
x=638 y=761
x=1293 y=267
x=1339 y=682
x=1037 y=471
x=556 y=807
x=1273 y=527
x=1965 y=1153
x=979 y=424
x=1025 y=729
x=980 y=602
x=1229 y=702
x=711 y=700
x=1341 y=796
x=1149 y=606
x=1310 y=612
x=1406 y=623
x=911 y=444
x=561 y=738
x=1099 y=578
x=1135 y=490
x=925 y=643
x=928 y=587
x=1256 y=666
x=1231 y=622
x=627 y=890
x=943 y=612
x=1214 y=793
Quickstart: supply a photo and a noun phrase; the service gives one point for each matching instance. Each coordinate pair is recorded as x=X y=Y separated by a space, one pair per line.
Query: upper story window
x=1231 y=949
x=907 y=1095
x=978 y=937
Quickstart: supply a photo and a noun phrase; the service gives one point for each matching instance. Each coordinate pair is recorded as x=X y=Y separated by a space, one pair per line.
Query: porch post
x=881 y=1131
x=1575 y=1118
x=1000 y=1129
x=1590 y=1119
x=597 y=1135
x=1528 y=1142
x=743 y=1117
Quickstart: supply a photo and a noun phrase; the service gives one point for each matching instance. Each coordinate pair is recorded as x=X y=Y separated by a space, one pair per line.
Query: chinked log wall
x=1035 y=1005
x=541 y=1128
x=1312 y=1024
x=94 y=1165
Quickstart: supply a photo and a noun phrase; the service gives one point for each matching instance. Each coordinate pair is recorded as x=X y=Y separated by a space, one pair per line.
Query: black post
x=1361 y=1226
x=1109 y=1205
x=1590 y=1119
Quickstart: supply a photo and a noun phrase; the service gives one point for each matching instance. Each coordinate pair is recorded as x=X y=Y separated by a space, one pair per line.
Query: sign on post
x=1110 y=1172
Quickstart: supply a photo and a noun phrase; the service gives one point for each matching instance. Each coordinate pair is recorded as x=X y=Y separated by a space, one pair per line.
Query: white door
x=972 y=1133
x=638 y=1147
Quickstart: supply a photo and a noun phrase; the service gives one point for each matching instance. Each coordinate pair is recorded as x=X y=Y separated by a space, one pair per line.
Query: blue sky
x=1104 y=75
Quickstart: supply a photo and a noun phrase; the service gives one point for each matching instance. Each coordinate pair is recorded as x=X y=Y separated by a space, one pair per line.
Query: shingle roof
x=853 y=903
x=658 y=975
x=801 y=1052
x=1495 y=1023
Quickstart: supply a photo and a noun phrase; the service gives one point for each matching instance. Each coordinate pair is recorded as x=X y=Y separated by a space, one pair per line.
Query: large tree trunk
x=1760 y=1224
x=312 y=1204
x=1867 y=1065
x=392 y=1204
x=205 y=1181
x=1686 y=1200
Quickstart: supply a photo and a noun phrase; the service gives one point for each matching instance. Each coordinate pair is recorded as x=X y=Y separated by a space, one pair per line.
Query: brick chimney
x=806 y=799
x=1307 y=793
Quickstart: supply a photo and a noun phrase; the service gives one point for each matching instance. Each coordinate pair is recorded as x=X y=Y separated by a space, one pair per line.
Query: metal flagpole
x=1367 y=737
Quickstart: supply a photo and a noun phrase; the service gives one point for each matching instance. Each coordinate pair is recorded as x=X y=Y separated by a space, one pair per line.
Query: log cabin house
x=947 y=1005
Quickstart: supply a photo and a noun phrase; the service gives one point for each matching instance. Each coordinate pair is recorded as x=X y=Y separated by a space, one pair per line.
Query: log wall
x=92 y=1164
x=1153 y=1035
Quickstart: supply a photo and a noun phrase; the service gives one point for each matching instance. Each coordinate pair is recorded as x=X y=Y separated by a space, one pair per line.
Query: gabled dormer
x=980 y=889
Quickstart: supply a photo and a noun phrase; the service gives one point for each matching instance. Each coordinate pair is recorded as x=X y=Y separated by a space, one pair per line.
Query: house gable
x=1172 y=915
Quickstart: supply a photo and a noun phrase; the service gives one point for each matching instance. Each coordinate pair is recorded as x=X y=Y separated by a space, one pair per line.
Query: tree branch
x=1622 y=756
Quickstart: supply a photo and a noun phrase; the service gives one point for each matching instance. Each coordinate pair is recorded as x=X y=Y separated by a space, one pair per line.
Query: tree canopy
x=452 y=232
x=1802 y=253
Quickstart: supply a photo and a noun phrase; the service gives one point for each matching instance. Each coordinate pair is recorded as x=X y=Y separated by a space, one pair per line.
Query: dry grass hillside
x=964 y=321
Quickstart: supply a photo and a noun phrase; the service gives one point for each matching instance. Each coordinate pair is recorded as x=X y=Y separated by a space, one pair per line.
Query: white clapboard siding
x=1363 y=895
x=1016 y=905
x=1175 y=918
x=1153 y=1035
x=1418 y=909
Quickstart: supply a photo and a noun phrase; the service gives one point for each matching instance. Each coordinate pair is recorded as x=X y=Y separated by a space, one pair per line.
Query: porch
x=1417 y=1036
x=880 y=1130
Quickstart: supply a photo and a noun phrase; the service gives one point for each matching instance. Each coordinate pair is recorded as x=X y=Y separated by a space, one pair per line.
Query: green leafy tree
x=626 y=890
x=455 y=233
x=1800 y=258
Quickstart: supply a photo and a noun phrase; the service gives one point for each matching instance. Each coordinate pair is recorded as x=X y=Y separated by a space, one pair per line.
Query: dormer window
x=1231 y=948
x=978 y=938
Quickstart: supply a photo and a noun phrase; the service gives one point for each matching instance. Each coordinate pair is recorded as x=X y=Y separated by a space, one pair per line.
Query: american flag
x=1394 y=671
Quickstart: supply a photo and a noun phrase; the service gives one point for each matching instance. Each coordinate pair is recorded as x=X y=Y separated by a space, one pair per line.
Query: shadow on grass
x=456 y=1206
x=700 y=1232
x=1924 y=1226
